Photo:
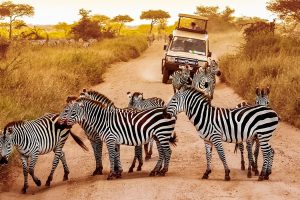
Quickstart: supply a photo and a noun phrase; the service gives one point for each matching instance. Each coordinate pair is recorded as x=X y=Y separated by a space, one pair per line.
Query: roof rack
x=193 y=17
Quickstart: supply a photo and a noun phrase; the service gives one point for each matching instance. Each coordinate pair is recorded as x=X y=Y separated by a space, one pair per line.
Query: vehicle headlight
x=202 y=63
x=170 y=59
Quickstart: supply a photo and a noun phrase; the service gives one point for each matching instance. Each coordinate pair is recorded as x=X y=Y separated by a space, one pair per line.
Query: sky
x=54 y=11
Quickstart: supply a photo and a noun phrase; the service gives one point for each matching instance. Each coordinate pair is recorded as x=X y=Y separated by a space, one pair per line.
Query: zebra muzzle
x=206 y=84
x=3 y=161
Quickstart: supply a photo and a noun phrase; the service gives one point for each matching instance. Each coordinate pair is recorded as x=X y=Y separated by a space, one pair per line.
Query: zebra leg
x=97 y=148
x=166 y=152
x=158 y=165
x=57 y=156
x=241 y=147
x=118 y=165
x=256 y=152
x=139 y=156
x=219 y=146
x=32 y=163
x=151 y=146
x=266 y=151
x=208 y=149
x=250 y=158
x=146 y=149
x=66 y=169
x=136 y=149
x=25 y=172
x=111 y=145
x=270 y=163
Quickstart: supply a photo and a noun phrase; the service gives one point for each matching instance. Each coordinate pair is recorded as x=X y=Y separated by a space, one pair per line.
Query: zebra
x=262 y=99
x=137 y=101
x=118 y=126
x=181 y=77
x=230 y=125
x=34 y=138
x=205 y=78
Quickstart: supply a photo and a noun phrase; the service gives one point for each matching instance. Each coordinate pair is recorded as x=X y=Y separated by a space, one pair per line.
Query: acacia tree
x=13 y=11
x=101 y=19
x=63 y=26
x=285 y=9
x=155 y=16
x=122 y=19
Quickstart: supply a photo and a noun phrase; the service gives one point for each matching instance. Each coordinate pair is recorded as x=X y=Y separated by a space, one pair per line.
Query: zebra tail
x=173 y=139
x=79 y=141
x=236 y=147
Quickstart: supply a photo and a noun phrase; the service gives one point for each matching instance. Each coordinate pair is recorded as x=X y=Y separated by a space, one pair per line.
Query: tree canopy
x=155 y=16
x=122 y=19
x=13 y=11
x=285 y=8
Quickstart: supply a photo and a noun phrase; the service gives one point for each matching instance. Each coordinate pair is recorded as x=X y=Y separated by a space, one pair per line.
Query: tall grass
x=267 y=60
x=40 y=77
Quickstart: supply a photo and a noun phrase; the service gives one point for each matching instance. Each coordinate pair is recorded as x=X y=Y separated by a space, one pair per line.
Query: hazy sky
x=54 y=11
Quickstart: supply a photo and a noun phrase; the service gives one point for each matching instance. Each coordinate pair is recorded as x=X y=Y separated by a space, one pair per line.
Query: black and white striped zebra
x=205 y=78
x=262 y=98
x=34 y=138
x=215 y=125
x=116 y=126
x=137 y=101
x=181 y=77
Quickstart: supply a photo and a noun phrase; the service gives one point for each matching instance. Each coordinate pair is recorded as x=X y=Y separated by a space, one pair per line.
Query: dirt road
x=183 y=181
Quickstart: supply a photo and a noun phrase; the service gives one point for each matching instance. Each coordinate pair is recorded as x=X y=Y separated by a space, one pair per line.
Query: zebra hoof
x=243 y=167
x=227 y=178
x=111 y=176
x=162 y=172
x=249 y=175
x=119 y=174
x=47 y=183
x=130 y=170
x=24 y=190
x=65 y=177
x=260 y=178
x=266 y=177
x=38 y=182
x=256 y=172
x=205 y=176
x=97 y=171
x=153 y=173
x=148 y=157
x=139 y=169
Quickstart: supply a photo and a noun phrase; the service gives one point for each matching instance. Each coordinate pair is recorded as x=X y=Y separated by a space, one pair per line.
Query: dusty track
x=188 y=158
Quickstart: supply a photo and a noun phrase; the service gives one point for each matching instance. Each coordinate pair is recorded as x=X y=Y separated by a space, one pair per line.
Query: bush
x=267 y=60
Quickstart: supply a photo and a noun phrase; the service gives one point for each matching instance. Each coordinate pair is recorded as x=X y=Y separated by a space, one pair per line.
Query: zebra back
x=137 y=101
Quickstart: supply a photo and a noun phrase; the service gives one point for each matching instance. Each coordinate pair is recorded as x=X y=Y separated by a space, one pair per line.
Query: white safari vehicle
x=188 y=45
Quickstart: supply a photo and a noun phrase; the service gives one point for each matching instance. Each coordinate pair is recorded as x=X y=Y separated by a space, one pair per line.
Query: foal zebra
x=119 y=126
x=205 y=78
x=34 y=138
x=230 y=125
x=262 y=99
x=137 y=101
x=181 y=77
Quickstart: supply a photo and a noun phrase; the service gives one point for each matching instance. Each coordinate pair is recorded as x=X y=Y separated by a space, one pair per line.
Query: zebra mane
x=71 y=98
x=137 y=94
x=100 y=95
x=195 y=90
x=14 y=123
x=92 y=101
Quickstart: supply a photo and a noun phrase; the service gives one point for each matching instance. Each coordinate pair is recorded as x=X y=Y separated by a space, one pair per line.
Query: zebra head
x=186 y=71
x=215 y=68
x=176 y=104
x=262 y=96
x=72 y=113
x=6 y=145
x=134 y=98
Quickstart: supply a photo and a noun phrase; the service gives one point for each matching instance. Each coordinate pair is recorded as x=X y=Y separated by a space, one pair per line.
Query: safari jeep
x=188 y=45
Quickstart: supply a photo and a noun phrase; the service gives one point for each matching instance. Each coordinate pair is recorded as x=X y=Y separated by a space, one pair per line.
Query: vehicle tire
x=165 y=76
x=162 y=65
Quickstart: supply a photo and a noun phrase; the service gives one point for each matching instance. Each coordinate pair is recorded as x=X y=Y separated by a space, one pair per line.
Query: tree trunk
x=10 y=28
x=151 y=27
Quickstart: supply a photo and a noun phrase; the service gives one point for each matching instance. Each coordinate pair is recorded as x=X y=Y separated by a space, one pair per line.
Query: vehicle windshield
x=189 y=45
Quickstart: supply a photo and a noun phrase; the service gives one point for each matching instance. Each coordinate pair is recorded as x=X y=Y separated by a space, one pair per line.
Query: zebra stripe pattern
x=37 y=137
x=215 y=125
x=118 y=126
x=262 y=99
x=137 y=101
x=205 y=78
x=181 y=77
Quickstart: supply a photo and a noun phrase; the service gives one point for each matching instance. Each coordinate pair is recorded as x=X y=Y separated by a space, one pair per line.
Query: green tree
x=13 y=11
x=226 y=15
x=64 y=27
x=211 y=12
x=155 y=16
x=285 y=8
x=101 y=19
x=122 y=19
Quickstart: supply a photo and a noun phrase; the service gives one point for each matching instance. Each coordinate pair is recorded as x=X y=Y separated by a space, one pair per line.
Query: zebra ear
x=9 y=130
x=71 y=98
x=129 y=95
x=83 y=90
x=268 y=90
x=257 y=91
x=140 y=96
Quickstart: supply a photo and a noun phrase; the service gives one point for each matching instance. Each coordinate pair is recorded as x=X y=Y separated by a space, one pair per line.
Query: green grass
x=267 y=60
x=45 y=75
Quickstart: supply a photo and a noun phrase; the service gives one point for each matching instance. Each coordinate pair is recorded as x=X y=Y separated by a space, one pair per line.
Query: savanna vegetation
x=272 y=59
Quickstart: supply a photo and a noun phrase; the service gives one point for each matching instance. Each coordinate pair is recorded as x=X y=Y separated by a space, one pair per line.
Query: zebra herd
x=143 y=122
